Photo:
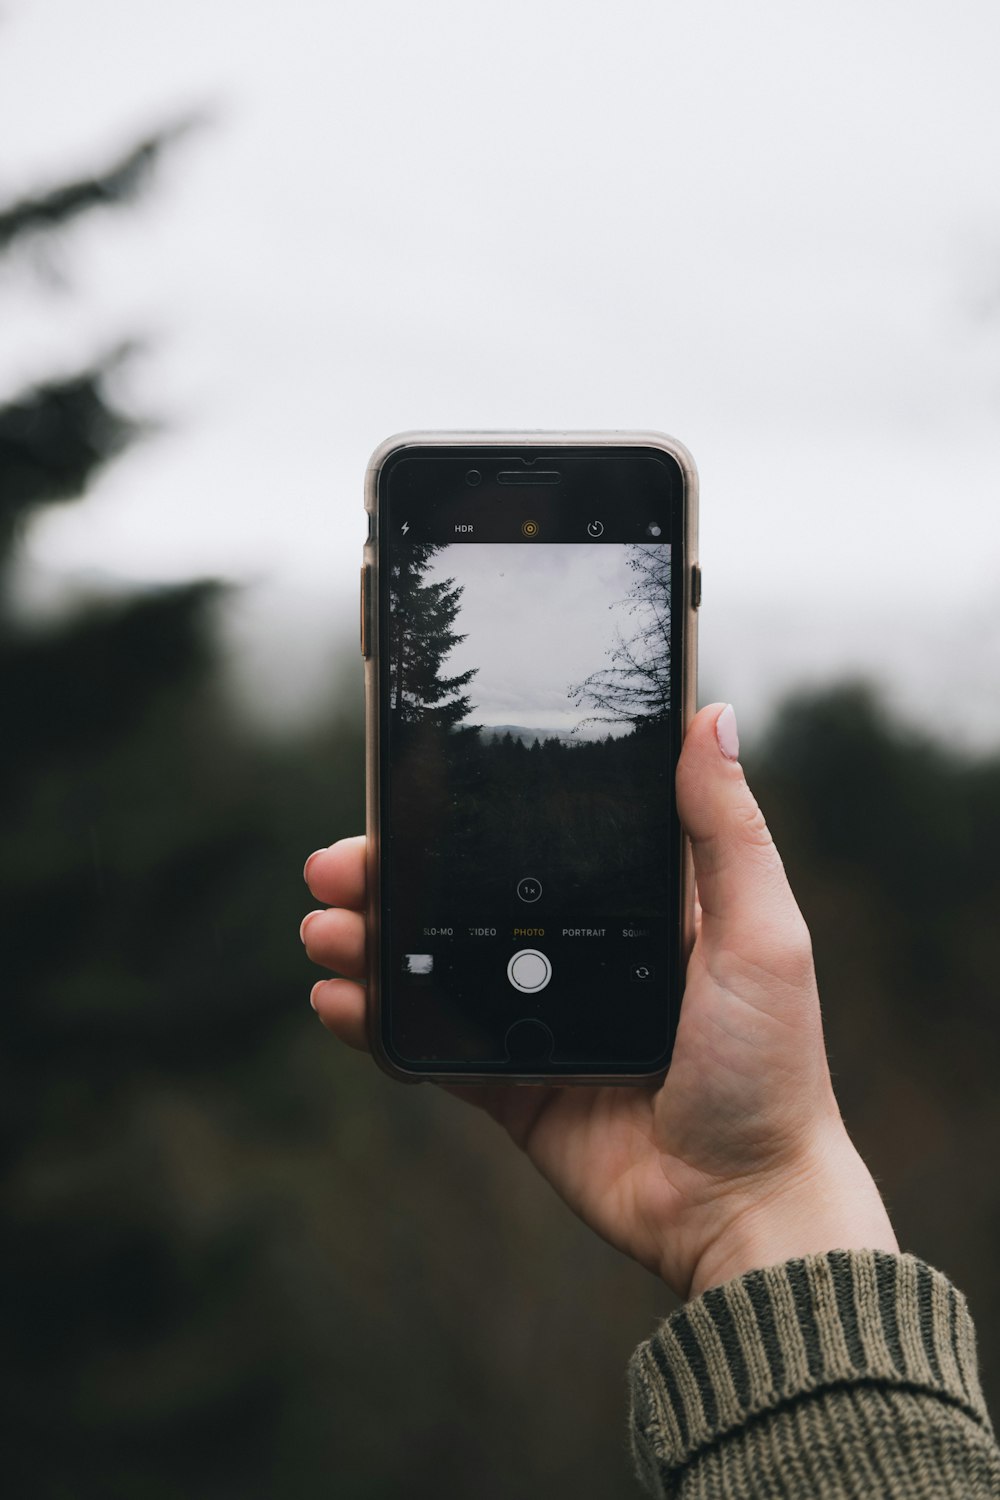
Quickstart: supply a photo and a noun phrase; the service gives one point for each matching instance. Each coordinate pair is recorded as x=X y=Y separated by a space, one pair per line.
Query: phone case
x=370 y=615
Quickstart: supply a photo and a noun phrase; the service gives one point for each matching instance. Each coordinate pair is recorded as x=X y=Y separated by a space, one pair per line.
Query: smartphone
x=529 y=608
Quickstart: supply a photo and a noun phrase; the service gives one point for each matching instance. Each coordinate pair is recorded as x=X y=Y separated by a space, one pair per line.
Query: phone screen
x=529 y=688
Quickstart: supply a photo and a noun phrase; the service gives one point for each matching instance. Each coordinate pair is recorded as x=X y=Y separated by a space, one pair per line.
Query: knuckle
x=751 y=824
x=797 y=958
x=775 y=953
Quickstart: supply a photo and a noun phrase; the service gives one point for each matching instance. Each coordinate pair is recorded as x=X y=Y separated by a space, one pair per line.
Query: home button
x=529 y=1041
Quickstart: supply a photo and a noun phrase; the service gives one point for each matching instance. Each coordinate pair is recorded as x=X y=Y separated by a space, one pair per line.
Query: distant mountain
x=528 y=736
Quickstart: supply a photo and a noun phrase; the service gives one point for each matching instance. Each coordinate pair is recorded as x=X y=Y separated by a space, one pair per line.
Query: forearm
x=845 y=1374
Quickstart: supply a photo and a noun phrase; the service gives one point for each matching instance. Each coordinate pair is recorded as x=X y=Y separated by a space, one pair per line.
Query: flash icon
x=406 y=527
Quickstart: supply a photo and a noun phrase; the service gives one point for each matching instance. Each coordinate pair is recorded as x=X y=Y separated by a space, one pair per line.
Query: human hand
x=739 y=1158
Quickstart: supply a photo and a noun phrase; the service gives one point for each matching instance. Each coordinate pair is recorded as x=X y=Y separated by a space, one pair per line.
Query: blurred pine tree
x=140 y=840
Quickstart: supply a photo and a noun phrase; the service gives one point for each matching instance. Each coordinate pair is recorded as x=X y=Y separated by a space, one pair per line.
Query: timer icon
x=596 y=528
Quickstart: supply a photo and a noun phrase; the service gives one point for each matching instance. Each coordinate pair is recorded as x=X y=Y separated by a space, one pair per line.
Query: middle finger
x=335 y=938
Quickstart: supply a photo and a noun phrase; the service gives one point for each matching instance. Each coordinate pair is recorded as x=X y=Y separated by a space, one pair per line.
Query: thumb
x=748 y=911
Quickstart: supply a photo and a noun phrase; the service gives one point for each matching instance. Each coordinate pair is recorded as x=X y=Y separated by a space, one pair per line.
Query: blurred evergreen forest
x=236 y=1261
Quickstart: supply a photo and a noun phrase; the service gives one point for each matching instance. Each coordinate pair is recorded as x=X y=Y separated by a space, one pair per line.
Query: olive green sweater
x=847 y=1374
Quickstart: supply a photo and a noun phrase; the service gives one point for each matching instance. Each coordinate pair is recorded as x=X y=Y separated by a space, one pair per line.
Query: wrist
x=827 y=1201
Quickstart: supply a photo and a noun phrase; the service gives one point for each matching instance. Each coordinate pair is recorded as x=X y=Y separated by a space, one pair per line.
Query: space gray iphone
x=529 y=626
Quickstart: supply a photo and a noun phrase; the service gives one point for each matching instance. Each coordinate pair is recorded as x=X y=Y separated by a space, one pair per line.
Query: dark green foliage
x=116 y=184
x=907 y=826
x=81 y=685
x=148 y=904
x=53 y=441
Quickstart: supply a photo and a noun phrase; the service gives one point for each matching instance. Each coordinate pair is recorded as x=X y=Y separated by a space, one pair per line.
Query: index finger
x=336 y=876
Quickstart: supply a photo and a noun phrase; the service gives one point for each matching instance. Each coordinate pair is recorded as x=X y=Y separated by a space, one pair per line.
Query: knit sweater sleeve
x=847 y=1374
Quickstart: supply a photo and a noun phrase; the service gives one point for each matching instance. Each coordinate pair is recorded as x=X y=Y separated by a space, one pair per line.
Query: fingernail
x=312 y=992
x=307 y=918
x=726 y=733
x=305 y=871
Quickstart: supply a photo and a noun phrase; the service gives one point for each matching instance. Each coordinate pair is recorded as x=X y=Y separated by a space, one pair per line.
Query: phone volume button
x=364 y=611
x=695 y=586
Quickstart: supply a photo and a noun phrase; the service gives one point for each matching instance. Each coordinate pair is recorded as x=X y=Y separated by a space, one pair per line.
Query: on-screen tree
x=635 y=688
x=421 y=636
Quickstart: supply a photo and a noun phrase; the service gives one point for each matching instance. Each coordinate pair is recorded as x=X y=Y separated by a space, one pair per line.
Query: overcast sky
x=772 y=230
x=536 y=619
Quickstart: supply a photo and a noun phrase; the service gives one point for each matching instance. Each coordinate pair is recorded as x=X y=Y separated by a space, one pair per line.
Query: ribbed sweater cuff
x=773 y=1336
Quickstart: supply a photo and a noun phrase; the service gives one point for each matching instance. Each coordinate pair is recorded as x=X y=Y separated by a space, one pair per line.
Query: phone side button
x=364 y=610
x=695 y=586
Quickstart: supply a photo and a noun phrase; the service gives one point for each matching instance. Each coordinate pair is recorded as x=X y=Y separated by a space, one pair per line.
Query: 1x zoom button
x=529 y=971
